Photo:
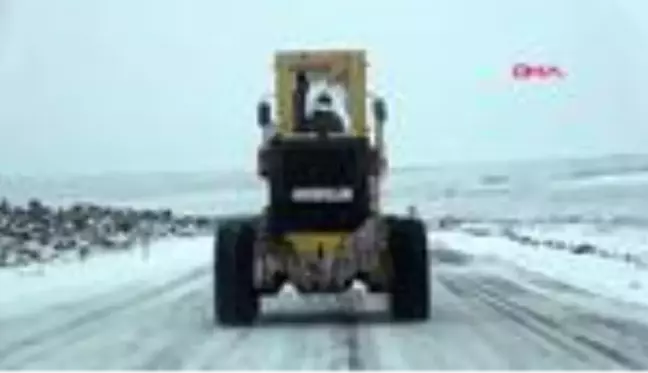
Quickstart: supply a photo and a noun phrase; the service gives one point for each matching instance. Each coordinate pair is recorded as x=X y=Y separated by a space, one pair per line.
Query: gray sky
x=131 y=85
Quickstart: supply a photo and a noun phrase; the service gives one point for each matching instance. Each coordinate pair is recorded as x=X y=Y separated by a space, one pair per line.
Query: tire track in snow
x=499 y=294
x=99 y=313
x=173 y=354
x=311 y=332
x=118 y=342
x=605 y=348
x=158 y=342
x=460 y=335
x=353 y=318
x=632 y=332
x=354 y=362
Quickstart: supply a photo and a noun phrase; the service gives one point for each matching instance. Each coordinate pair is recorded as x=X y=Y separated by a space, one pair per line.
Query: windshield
x=320 y=83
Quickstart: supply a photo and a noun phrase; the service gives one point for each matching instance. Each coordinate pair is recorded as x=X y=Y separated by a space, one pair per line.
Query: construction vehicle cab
x=322 y=227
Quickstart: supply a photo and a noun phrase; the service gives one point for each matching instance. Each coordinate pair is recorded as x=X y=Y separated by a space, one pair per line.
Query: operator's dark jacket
x=323 y=120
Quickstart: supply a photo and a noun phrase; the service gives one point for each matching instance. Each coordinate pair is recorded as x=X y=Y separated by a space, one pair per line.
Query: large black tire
x=410 y=287
x=236 y=303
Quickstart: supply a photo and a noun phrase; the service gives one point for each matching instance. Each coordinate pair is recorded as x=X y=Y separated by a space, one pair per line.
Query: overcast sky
x=131 y=85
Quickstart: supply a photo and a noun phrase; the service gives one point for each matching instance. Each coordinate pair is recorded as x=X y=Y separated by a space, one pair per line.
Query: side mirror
x=380 y=110
x=264 y=114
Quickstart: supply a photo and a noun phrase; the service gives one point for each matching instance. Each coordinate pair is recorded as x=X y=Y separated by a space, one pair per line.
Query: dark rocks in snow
x=525 y=240
x=478 y=231
x=560 y=245
x=494 y=179
x=449 y=222
x=37 y=232
x=583 y=248
x=450 y=256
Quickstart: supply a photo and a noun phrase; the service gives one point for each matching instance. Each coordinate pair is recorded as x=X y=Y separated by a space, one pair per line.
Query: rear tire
x=236 y=303
x=410 y=288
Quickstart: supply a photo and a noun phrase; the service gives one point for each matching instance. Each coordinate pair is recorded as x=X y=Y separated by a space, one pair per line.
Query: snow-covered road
x=157 y=314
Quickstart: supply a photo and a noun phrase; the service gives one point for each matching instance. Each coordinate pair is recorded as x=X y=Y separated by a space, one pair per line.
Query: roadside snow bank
x=626 y=243
x=613 y=241
x=595 y=274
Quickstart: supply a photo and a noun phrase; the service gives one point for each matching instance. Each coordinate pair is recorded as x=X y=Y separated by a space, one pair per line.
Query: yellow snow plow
x=322 y=227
